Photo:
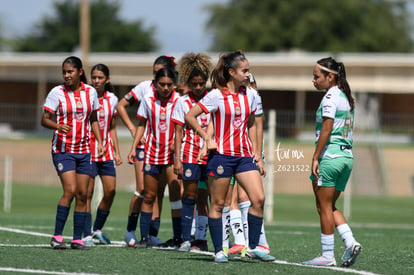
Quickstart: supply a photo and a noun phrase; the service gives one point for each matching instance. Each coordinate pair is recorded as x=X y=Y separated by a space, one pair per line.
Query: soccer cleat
x=237 y=248
x=78 y=244
x=264 y=248
x=220 y=257
x=88 y=241
x=130 y=238
x=57 y=242
x=143 y=243
x=199 y=245
x=185 y=246
x=154 y=241
x=259 y=254
x=350 y=254
x=321 y=261
x=172 y=243
x=103 y=239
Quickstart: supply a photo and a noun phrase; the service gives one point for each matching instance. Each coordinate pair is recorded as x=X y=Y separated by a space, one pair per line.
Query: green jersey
x=335 y=105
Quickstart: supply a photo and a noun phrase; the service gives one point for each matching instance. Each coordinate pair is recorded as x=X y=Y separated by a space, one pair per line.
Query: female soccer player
x=156 y=109
x=332 y=159
x=194 y=70
x=232 y=106
x=240 y=201
x=104 y=166
x=136 y=95
x=70 y=110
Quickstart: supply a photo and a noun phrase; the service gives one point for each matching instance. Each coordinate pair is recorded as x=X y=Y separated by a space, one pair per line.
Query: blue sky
x=179 y=24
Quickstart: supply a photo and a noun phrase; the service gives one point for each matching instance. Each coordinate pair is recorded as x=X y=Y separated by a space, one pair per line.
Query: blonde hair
x=193 y=64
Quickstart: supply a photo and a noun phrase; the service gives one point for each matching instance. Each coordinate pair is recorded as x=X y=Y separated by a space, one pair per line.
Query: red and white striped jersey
x=259 y=109
x=230 y=113
x=159 y=127
x=138 y=93
x=107 y=110
x=191 y=142
x=74 y=109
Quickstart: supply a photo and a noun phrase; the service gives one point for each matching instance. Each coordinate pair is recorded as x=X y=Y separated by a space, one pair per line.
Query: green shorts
x=334 y=172
x=202 y=185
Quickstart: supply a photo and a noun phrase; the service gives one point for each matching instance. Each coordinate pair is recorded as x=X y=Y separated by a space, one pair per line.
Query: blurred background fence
x=383 y=163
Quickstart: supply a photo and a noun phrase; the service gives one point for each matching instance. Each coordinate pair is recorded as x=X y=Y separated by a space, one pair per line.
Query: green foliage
x=109 y=33
x=317 y=25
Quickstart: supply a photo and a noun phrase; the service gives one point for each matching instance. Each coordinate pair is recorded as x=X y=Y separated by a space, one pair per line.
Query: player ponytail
x=329 y=65
x=220 y=75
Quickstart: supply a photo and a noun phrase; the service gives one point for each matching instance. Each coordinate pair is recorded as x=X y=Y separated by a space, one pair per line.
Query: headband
x=326 y=69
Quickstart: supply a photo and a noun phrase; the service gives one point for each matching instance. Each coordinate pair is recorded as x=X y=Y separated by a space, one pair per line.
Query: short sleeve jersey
x=259 y=110
x=335 y=105
x=191 y=142
x=138 y=93
x=230 y=114
x=160 y=130
x=73 y=108
x=106 y=111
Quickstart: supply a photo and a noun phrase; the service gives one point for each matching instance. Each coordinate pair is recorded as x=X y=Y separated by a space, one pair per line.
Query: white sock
x=225 y=217
x=193 y=225
x=327 y=242
x=201 y=230
x=244 y=209
x=236 y=225
x=262 y=240
x=346 y=235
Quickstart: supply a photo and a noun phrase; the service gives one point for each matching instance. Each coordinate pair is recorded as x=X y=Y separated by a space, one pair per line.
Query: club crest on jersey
x=162 y=116
x=237 y=123
x=238 y=110
x=220 y=170
x=147 y=167
x=188 y=173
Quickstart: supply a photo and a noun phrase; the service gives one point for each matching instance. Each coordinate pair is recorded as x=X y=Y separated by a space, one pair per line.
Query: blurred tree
x=317 y=25
x=60 y=33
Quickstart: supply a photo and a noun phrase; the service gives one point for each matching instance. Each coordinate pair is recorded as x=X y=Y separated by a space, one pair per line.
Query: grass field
x=384 y=226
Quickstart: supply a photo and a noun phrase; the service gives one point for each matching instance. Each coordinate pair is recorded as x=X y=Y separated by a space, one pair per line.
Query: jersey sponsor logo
x=79 y=109
x=163 y=127
x=220 y=170
x=147 y=167
x=128 y=96
x=101 y=118
x=188 y=173
x=237 y=123
x=203 y=120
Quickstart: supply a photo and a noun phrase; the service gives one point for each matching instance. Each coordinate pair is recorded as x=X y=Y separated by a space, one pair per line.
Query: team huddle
x=206 y=145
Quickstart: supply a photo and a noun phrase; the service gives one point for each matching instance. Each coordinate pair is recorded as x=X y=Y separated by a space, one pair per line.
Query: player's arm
x=323 y=139
x=123 y=114
x=114 y=136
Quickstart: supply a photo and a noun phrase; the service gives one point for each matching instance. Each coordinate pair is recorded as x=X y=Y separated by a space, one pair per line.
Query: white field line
x=39 y=271
x=33 y=233
x=120 y=243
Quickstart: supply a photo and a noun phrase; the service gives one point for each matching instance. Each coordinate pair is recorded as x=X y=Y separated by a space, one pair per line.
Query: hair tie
x=172 y=59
